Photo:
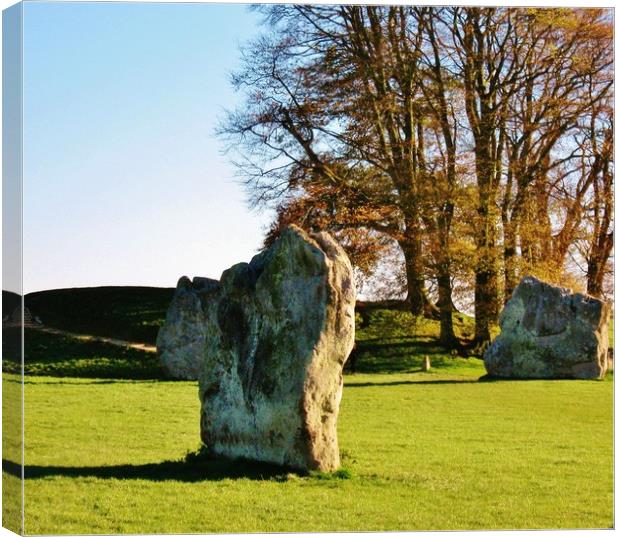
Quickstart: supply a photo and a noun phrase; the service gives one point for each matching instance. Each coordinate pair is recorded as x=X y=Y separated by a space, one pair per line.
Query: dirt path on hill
x=102 y=339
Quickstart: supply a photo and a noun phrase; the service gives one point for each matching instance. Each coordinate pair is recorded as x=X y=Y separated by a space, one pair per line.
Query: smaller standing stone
x=426 y=365
x=181 y=339
x=549 y=332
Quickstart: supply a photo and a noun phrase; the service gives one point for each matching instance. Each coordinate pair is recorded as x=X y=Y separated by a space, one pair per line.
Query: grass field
x=108 y=453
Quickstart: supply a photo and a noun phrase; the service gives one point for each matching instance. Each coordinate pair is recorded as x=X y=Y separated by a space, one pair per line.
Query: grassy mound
x=10 y=301
x=63 y=356
x=395 y=341
x=129 y=313
x=390 y=341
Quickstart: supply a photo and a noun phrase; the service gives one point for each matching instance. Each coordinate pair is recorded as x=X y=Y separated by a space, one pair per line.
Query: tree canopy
x=475 y=141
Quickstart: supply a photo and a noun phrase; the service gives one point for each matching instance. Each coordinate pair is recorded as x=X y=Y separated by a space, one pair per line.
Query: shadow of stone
x=192 y=469
x=491 y=378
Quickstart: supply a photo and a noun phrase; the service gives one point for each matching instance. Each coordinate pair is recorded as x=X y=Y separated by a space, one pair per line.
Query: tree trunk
x=601 y=250
x=416 y=297
x=444 y=287
x=595 y=277
x=419 y=303
x=602 y=240
x=510 y=258
x=431 y=311
x=486 y=299
x=444 y=280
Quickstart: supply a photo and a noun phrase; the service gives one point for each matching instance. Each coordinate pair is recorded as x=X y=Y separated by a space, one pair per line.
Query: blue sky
x=124 y=180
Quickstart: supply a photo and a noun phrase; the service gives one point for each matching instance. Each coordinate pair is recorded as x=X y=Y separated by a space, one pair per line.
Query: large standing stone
x=277 y=334
x=181 y=339
x=547 y=332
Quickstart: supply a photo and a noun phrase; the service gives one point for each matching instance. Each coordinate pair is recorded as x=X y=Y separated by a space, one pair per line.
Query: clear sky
x=124 y=180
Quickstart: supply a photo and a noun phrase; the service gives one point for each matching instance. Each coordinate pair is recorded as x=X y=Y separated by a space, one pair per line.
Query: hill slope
x=388 y=340
x=130 y=313
x=10 y=301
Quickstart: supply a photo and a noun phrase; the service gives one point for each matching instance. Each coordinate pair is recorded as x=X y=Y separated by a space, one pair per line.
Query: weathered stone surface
x=278 y=331
x=547 y=332
x=181 y=339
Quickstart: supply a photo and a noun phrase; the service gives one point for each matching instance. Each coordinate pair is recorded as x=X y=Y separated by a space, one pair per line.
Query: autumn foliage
x=477 y=142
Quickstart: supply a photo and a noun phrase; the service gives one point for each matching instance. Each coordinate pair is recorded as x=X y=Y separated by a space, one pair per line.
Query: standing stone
x=278 y=331
x=181 y=339
x=547 y=332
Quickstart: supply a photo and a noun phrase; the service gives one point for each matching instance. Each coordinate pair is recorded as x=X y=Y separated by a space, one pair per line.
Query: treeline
x=478 y=140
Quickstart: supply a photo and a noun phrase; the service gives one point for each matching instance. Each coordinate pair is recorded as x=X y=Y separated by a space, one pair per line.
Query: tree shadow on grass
x=491 y=378
x=92 y=382
x=407 y=342
x=406 y=382
x=376 y=342
x=192 y=469
x=59 y=355
x=400 y=355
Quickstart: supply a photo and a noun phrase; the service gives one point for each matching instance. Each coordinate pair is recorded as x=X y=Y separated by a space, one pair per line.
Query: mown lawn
x=422 y=451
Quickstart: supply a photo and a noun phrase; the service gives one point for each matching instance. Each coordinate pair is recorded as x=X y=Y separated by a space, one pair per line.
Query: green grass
x=396 y=342
x=12 y=451
x=433 y=450
x=422 y=453
x=63 y=356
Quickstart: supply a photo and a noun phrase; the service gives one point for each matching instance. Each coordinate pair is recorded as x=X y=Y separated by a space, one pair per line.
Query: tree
x=601 y=208
x=333 y=99
x=490 y=61
x=565 y=76
x=474 y=138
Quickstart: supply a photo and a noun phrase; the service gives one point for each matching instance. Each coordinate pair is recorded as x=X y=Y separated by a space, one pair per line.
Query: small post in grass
x=426 y=364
